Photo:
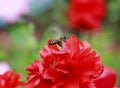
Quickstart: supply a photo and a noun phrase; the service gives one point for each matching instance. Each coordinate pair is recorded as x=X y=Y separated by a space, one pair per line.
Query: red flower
x=86 y=14
x=72 y=66
x=107 y=79
x=10 y=80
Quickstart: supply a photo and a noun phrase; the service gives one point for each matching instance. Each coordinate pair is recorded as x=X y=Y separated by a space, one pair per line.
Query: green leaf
x=22 y=35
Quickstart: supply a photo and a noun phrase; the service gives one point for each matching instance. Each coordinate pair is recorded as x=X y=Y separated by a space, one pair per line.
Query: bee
x=58 y=41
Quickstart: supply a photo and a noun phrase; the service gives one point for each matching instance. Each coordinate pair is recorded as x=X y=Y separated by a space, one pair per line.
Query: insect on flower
x=58 y=41
x=74 y=65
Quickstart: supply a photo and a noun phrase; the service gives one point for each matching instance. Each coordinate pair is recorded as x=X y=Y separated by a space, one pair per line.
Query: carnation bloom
x=11 y=10
x=72 y=66
x=4 y=67
x=86 y=14
x=10 y=80
x=107 y=79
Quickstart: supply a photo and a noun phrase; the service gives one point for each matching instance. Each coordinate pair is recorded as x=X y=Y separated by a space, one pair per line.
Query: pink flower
x=75 y=65
x=4 y=67
x=107 y=79
x=11 y=10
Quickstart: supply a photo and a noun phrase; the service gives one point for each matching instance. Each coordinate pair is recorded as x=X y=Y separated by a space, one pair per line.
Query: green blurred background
x=20 y=42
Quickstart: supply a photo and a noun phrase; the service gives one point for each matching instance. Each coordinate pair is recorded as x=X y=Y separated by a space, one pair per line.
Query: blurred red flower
x=107 y=79
x=72 y=66
x=10 y=80
x=86 y=14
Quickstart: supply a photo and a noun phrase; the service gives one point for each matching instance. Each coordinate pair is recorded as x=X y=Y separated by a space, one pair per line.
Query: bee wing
x=58 y=31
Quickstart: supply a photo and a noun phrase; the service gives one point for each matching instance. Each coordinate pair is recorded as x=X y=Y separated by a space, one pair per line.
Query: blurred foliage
x=20 y=42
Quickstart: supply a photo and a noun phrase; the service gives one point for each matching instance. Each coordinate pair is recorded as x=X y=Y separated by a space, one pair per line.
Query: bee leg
x=60 y=44
x=64 y=38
